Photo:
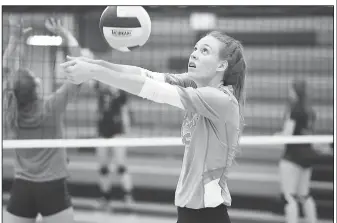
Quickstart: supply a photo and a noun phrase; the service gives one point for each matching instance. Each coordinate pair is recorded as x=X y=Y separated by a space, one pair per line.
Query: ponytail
x=235 y=76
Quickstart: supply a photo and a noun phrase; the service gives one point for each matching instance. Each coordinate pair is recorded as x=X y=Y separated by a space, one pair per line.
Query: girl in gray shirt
x=39 y=184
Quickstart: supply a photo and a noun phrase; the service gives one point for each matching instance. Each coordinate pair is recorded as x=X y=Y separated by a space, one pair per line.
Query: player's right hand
x=54 y=25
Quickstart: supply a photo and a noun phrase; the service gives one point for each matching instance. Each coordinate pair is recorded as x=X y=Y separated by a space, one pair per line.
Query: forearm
x=12 y=44
x=288 y=127
x=72 y=43
x=121 y=68
x=141 y=86
x=125 y=81
x=126 y=118
x=66 y=93
x=10 y=57
x=133 y=70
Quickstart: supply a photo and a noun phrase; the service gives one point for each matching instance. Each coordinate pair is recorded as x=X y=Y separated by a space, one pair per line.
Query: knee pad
x=309 y=208
x=127 y=192
x=104 y=170
x=107 y=195
x=121 y=170
x=304 y=198
x=291 y=208
x=290 y=200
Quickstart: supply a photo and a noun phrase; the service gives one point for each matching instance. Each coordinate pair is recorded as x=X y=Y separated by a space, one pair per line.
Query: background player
x=113 y=121
x=39 y=185
x=296 y=163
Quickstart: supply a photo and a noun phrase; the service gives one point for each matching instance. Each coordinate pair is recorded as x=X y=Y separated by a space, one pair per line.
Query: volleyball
x=125 y=28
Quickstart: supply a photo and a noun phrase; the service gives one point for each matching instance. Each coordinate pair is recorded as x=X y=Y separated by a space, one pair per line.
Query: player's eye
x=204 y=50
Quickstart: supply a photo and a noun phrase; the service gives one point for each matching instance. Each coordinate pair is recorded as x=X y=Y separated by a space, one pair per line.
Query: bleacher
x=270 y=71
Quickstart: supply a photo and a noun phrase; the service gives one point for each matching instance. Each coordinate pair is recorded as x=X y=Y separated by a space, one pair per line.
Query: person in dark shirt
x=113 y=121
x=297 y=160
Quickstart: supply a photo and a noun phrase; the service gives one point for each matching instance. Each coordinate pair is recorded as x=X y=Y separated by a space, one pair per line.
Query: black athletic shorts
x=218 y=214
x=28 y=198
x=108 y=129
x=302 y=155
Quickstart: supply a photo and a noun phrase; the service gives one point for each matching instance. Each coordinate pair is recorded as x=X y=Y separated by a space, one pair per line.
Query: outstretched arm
x=10 y=57
x=127 y=69
x=120 y=67
x=15 y=48
x=68 y=91
x=10 y=63
x=55 y=26
x=181 y=79
x=209 y=102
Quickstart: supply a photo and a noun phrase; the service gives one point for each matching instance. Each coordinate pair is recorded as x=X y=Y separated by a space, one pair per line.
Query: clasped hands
x=80 y=69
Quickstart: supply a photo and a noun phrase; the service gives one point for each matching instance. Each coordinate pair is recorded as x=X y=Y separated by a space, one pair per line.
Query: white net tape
x=157 y=142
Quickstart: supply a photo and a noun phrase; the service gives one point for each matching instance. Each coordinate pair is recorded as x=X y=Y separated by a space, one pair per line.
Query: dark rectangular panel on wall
x=90 y=35
x=271 y=38
x=178 y=64
x=220 y=10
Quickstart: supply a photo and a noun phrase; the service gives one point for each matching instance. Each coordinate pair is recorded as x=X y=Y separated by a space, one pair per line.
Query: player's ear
x=222 y=66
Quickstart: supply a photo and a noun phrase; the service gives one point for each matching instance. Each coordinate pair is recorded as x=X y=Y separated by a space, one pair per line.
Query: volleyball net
x=154 y=165
x=158 y=142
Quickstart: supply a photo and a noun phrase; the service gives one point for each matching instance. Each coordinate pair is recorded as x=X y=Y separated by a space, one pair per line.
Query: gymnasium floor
x=85 y=207
x=237 y=216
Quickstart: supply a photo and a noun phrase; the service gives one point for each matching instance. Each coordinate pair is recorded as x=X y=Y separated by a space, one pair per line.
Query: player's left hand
x=79 y=71
x=16 y=27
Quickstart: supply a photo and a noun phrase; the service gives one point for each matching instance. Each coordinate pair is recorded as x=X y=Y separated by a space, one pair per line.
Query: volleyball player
x=113 y=121
x=39 y=185
x=212 y=94
x=296 y=163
